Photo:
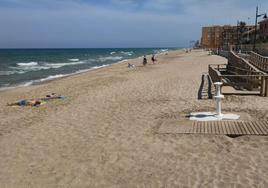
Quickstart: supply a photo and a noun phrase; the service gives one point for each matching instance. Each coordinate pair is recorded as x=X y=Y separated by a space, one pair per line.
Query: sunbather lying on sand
x=36 y=102
x=26 y=103
x=52 y=96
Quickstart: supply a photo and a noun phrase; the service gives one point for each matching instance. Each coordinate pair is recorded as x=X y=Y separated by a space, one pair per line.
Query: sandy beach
x=104 y=133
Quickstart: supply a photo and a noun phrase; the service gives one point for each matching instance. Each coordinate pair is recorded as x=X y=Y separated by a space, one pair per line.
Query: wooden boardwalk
x=215 y=127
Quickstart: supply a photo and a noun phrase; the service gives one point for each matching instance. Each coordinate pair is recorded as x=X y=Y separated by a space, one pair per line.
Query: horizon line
x=39 y=48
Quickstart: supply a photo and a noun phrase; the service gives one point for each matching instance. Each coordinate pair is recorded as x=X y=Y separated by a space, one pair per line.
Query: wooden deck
x=259 y=128
x=243 y=74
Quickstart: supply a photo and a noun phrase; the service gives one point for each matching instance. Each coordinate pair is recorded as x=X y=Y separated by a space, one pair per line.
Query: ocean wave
x=28 y=67
x=34 y=66
x=73 y=60
x=28 y=64
x=127 y=53
x=98 y=67
x=59 y=65
x=9 y=86
x=27 y=83
x=31 y=82
x=161 y=51
x=112 y=53
x=52 y=77
x=125 y=60
x=110 y=58
x=7 y=73
x=49 y=78
x=24 y=69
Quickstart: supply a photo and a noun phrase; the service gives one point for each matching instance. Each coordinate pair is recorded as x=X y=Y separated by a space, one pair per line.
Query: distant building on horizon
x=216 y=37
x=210 y=37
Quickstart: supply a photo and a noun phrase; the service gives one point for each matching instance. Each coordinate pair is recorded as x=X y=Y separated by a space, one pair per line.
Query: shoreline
x=62 y=76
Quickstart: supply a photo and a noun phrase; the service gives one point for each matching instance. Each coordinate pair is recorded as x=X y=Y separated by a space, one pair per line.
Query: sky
x=116 y=23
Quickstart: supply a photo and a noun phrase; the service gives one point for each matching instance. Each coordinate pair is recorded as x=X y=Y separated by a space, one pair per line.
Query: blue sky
x=115 y=23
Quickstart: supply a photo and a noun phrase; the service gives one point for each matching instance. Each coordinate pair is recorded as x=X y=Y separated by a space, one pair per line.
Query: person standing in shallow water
x=144 y=61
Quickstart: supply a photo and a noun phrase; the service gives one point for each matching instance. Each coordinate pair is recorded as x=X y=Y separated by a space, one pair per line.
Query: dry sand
x=104 y=134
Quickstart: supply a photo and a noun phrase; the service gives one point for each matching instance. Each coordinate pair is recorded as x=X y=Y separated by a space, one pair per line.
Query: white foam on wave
x=7 y=73
x=52 y=77
x=59 y=65
x=49 y=78
x=28 y=64
x=24 y=69
x=27 y=84
x=31 y=82
x=127 y=53
x=8 y=87
x=161 y=51
x=112 y=53
x=33 y=66
x=73 y=60
x=27 y=67
x=110 y=58
x=125 y=60
x=98 y=67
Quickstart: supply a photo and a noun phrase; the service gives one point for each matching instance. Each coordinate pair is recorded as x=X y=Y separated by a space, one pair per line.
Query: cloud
x=114 y=23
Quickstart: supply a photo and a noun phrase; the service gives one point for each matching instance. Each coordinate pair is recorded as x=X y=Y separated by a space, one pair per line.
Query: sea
x=24 y=67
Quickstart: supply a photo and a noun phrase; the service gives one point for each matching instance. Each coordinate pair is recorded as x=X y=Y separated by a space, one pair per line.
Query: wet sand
x=104 y=134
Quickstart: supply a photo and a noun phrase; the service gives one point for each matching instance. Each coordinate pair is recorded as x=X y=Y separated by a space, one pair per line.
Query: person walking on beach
x=144 y=61
x=153 y=59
